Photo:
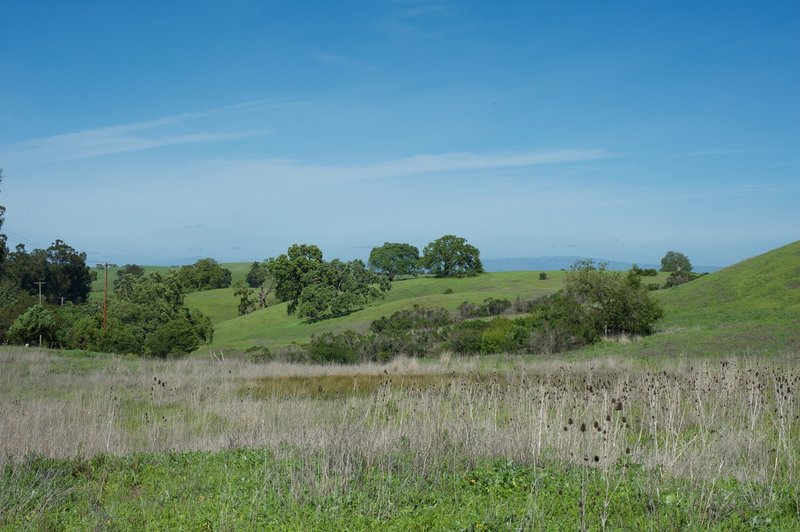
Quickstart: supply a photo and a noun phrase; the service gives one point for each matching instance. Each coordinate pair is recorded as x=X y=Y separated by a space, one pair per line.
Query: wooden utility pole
x=105 y=299
x=40 y=283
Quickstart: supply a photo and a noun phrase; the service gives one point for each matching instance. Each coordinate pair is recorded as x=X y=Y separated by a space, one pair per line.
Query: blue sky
x=161 y=132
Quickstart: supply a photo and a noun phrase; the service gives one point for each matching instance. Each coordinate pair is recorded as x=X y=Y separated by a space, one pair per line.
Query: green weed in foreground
x=259 y=489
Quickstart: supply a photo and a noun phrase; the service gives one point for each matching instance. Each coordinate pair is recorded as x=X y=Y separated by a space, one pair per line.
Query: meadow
x=454 y=443
x=694 y=427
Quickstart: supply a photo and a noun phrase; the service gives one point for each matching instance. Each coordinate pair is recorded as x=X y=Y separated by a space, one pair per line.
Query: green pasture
x=750 y=307
x=274 y=328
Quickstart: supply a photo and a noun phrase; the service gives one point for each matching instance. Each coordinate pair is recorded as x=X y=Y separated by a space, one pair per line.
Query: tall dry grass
x=703 y=420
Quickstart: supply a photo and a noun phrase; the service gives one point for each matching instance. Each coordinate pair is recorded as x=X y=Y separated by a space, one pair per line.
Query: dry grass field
x=703 y=422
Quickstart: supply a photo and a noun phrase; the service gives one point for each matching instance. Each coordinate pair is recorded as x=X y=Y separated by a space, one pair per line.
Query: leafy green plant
x=35 y=323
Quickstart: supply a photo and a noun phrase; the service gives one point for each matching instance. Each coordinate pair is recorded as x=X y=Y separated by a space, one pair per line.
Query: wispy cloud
x=171 y=130
x=304 y=174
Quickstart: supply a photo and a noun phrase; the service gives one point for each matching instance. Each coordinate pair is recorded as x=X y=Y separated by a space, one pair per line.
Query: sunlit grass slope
x=750 y=307
x=765 y=282
x=272 y=326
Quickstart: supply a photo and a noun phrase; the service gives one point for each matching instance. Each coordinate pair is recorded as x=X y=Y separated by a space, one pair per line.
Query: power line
x=26 y=240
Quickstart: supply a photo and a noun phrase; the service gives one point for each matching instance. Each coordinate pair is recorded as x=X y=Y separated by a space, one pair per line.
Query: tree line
x=45 y=298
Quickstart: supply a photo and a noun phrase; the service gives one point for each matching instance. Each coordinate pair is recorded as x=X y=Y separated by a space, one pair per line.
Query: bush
x=13 y=302
x=542 y=276
x=175 y=337
x=259 y=354
x=502 y=336
x=467 y=310
x=647 y=272
x=495 y=307
x=679 y=278
x=415 y=318
x=293 y=353
x=523 y=306
x=490 y=307
x=552 y=339
x=119 y=338
x=341 y=348
x=465 y=337
x=413 y=343
x=618 y=303
x=36 y=322
x=559 y=323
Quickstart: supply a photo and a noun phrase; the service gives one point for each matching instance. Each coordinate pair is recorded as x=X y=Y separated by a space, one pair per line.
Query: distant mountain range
x=559 y=263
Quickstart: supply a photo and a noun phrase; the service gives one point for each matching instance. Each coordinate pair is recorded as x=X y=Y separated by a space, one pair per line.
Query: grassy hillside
x=272 y=327
x=750 y=307
x=766 y=282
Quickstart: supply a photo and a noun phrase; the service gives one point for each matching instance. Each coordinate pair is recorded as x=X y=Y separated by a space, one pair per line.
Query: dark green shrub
x=559 y=323
x=13 y=302
x=494 y=307
x=175 y=337
x=412 y=343
x=35 y=323
x=415 y=318
x=464 y=338
x=648 y=272
x=681 y=277
x=542 y=276
x=344 y=348
x=618 y=303
x=119 y=338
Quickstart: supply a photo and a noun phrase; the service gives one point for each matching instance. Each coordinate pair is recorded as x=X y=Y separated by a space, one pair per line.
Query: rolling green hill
x=274 y=328
x=765 y=282
x=752 y=307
